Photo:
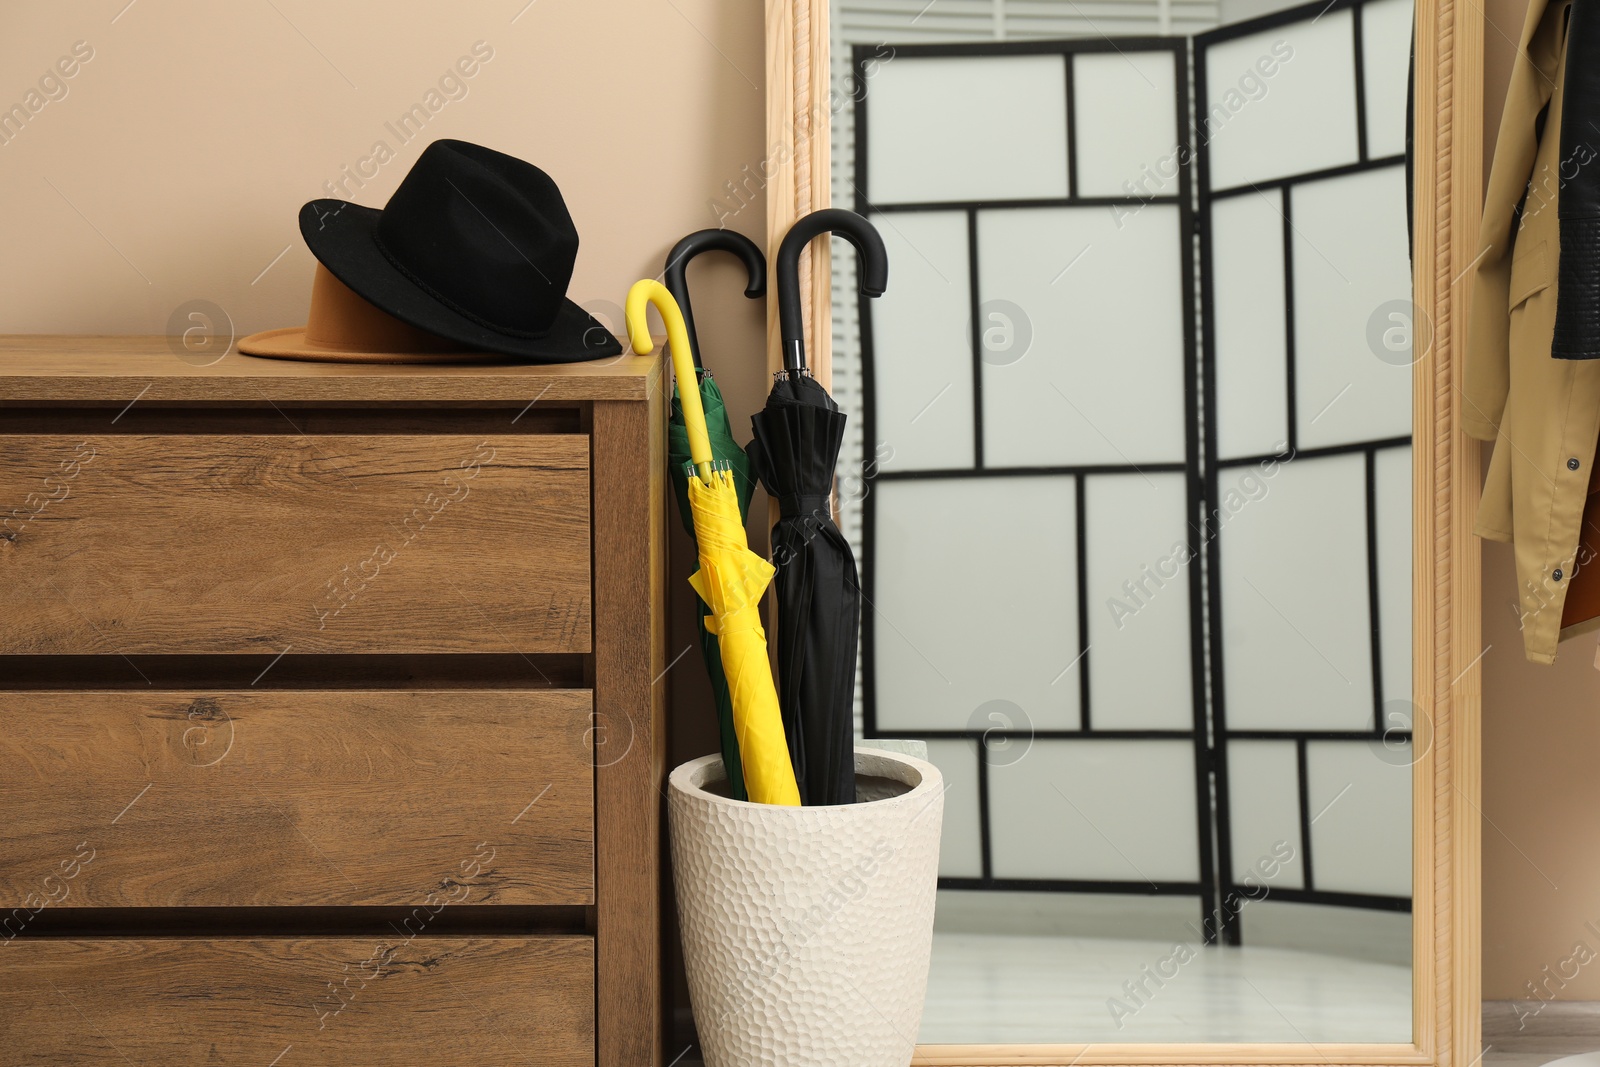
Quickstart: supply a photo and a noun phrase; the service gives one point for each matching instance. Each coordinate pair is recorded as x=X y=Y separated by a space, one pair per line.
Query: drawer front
x=130 y=544
x=288 y=798
x=299 y=1002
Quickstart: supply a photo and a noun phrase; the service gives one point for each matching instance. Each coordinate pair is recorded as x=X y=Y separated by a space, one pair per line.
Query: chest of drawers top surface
x=197 y=526
x=54 y=367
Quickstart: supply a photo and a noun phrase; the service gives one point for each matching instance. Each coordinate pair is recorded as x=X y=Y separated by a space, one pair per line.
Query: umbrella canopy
x=724 y=449
x=731 y=579
x=797 y=440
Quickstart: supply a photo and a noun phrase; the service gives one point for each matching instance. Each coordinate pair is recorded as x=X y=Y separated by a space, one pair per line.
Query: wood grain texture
x=798 y=122
x=480 y=1001
x=1449 y=199
x=157 y=544
x=630 y=748
x=297 y=798
x=78 y=367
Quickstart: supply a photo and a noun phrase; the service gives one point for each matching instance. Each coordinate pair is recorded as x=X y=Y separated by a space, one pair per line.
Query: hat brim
x=343 y=238
x=290 y=343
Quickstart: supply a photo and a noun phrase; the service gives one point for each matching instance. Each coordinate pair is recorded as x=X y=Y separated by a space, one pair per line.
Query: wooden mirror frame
x=1446 y=963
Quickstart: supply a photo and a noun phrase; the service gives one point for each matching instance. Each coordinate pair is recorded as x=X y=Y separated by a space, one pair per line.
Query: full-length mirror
x=1129 y=477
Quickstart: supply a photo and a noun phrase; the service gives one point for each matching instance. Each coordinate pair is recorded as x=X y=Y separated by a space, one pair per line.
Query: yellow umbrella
x=731 y=579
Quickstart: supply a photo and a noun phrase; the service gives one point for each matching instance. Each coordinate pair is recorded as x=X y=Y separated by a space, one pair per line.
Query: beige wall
x=174 y=166
x=1541 y=805
x=1541 y=740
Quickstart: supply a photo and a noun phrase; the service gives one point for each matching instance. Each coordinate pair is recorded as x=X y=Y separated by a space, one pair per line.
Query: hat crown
x=485 y=233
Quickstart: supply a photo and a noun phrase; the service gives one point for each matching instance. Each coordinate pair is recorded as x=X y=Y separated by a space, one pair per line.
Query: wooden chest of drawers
x=331 y=725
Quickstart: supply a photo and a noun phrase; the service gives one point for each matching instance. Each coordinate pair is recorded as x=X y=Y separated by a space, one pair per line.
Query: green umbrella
x=723 y=448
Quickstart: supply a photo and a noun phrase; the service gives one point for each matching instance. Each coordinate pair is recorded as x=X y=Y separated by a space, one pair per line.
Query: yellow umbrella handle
x=645 y=292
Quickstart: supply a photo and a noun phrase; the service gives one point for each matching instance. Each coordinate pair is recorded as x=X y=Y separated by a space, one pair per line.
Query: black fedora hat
x=475 y=246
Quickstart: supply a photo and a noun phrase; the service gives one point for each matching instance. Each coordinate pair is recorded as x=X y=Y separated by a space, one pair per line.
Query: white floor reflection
x=1019 y=988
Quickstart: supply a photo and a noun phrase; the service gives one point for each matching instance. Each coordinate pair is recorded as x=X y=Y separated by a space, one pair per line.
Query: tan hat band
x=343 y=321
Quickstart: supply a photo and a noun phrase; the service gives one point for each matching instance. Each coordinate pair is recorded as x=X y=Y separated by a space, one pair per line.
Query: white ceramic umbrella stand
x=807 y=931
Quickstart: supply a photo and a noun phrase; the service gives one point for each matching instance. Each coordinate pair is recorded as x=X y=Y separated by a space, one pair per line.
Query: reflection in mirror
x=1129 y=478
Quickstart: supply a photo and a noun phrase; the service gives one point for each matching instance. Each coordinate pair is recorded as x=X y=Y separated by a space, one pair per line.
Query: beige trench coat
x=1543 y=414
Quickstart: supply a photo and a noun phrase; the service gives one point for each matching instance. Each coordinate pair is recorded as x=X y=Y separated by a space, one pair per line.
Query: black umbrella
x=723 y=448
x=797 y=440
x=676 y=276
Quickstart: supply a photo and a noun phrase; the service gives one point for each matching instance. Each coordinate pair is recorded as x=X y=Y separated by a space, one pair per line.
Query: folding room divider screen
x=1139 y=407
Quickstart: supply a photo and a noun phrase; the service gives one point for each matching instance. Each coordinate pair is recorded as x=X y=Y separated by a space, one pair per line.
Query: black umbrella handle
x=874 y=273
x=676 y=275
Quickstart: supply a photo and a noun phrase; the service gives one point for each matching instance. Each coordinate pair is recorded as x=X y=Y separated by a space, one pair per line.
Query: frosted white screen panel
x=1300 y=117
x=1055 y=812
x=1053 y=471
x=1264 y=812
x=1102 y=293
x=1127 y=134
x=949 y=128
x=922 y=347
x=1139 y=632
x=1360 y=801
x=1250 y=350
x=1352 y=306
x=1296 y=634
x=960 y=849
x=974 y=600
x=1392 y=493
x=1386 y=46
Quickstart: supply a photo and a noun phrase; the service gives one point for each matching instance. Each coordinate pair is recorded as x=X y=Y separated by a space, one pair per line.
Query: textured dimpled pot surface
x=807 y=931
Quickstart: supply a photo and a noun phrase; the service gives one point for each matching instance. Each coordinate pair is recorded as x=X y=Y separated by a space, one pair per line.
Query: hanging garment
x=1577 y=329
x=1542 y=413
